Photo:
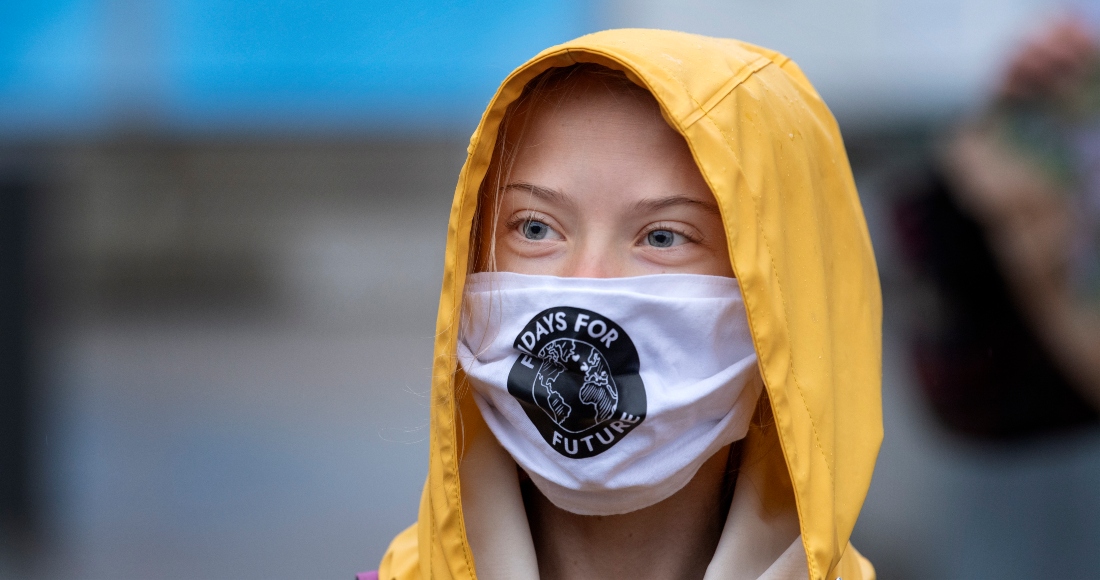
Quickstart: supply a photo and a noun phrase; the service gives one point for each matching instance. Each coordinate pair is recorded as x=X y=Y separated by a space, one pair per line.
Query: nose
x=596 y=262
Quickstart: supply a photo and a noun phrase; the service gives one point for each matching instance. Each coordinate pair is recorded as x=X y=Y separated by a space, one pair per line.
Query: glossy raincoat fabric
x=771 y=152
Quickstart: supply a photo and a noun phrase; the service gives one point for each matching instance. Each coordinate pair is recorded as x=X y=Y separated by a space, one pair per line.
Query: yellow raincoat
x=772 y=154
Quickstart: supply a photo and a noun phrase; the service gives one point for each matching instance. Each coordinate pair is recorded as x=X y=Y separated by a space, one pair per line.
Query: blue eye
x=535 y=230
x=661 y=238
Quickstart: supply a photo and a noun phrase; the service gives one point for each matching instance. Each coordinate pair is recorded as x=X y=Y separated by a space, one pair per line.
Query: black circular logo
x=577 y=380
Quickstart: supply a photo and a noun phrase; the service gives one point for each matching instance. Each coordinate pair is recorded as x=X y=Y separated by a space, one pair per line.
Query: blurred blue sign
x=292 y=65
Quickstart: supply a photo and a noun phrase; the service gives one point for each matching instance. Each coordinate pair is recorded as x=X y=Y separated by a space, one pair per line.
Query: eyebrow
x=654 y=204
x=642 y=206
x=544 y=193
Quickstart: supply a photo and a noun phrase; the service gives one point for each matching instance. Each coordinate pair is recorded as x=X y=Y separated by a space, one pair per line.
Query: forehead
x=588 y=106
x=590 y=136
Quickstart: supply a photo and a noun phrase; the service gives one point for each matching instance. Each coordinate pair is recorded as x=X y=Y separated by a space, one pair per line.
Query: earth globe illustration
x=574 y=386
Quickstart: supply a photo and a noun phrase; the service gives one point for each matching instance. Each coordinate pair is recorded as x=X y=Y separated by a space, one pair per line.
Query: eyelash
x=693 y=238
x=514 y=223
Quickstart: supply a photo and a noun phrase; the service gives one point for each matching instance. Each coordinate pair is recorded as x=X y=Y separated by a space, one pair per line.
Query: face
x=602 y=187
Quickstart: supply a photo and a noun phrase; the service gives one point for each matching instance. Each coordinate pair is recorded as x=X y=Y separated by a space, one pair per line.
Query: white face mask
x=610 y=393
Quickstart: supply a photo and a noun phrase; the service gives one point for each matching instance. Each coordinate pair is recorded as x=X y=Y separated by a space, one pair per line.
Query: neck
x=675 y=538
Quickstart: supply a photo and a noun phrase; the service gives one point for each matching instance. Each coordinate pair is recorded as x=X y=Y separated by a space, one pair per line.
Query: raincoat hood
x=772 y=154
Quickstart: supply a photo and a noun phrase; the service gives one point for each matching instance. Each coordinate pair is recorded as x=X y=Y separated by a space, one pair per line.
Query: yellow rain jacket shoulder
x=772 y=154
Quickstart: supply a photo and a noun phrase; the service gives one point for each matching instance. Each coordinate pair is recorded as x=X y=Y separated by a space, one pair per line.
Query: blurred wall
x=230 y=66
x=226 y=66
x=235 y=356
x=876 y=62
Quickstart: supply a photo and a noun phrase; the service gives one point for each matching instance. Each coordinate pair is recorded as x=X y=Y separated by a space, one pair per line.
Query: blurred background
x=221 y=236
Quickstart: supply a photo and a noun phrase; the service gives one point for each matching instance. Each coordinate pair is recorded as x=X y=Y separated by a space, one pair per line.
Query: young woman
x=658 y=349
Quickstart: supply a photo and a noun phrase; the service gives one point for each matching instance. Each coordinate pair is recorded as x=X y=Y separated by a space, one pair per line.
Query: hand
x=1052 y=63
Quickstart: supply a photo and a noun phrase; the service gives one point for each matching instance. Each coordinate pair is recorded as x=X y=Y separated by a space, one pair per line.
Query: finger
x=1056 y=57
x=1050 y=66
x=1076 y=32
x=1029 y=76
x=1060 y=53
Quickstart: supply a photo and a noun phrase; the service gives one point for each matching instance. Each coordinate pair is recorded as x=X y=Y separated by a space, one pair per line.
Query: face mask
x=610 y=393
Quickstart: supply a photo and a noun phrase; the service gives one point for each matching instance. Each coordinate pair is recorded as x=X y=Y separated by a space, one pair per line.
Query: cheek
x=718 y=261
x=508 y=260
x=690 y=260
x=513 y=253
x=719 y=265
